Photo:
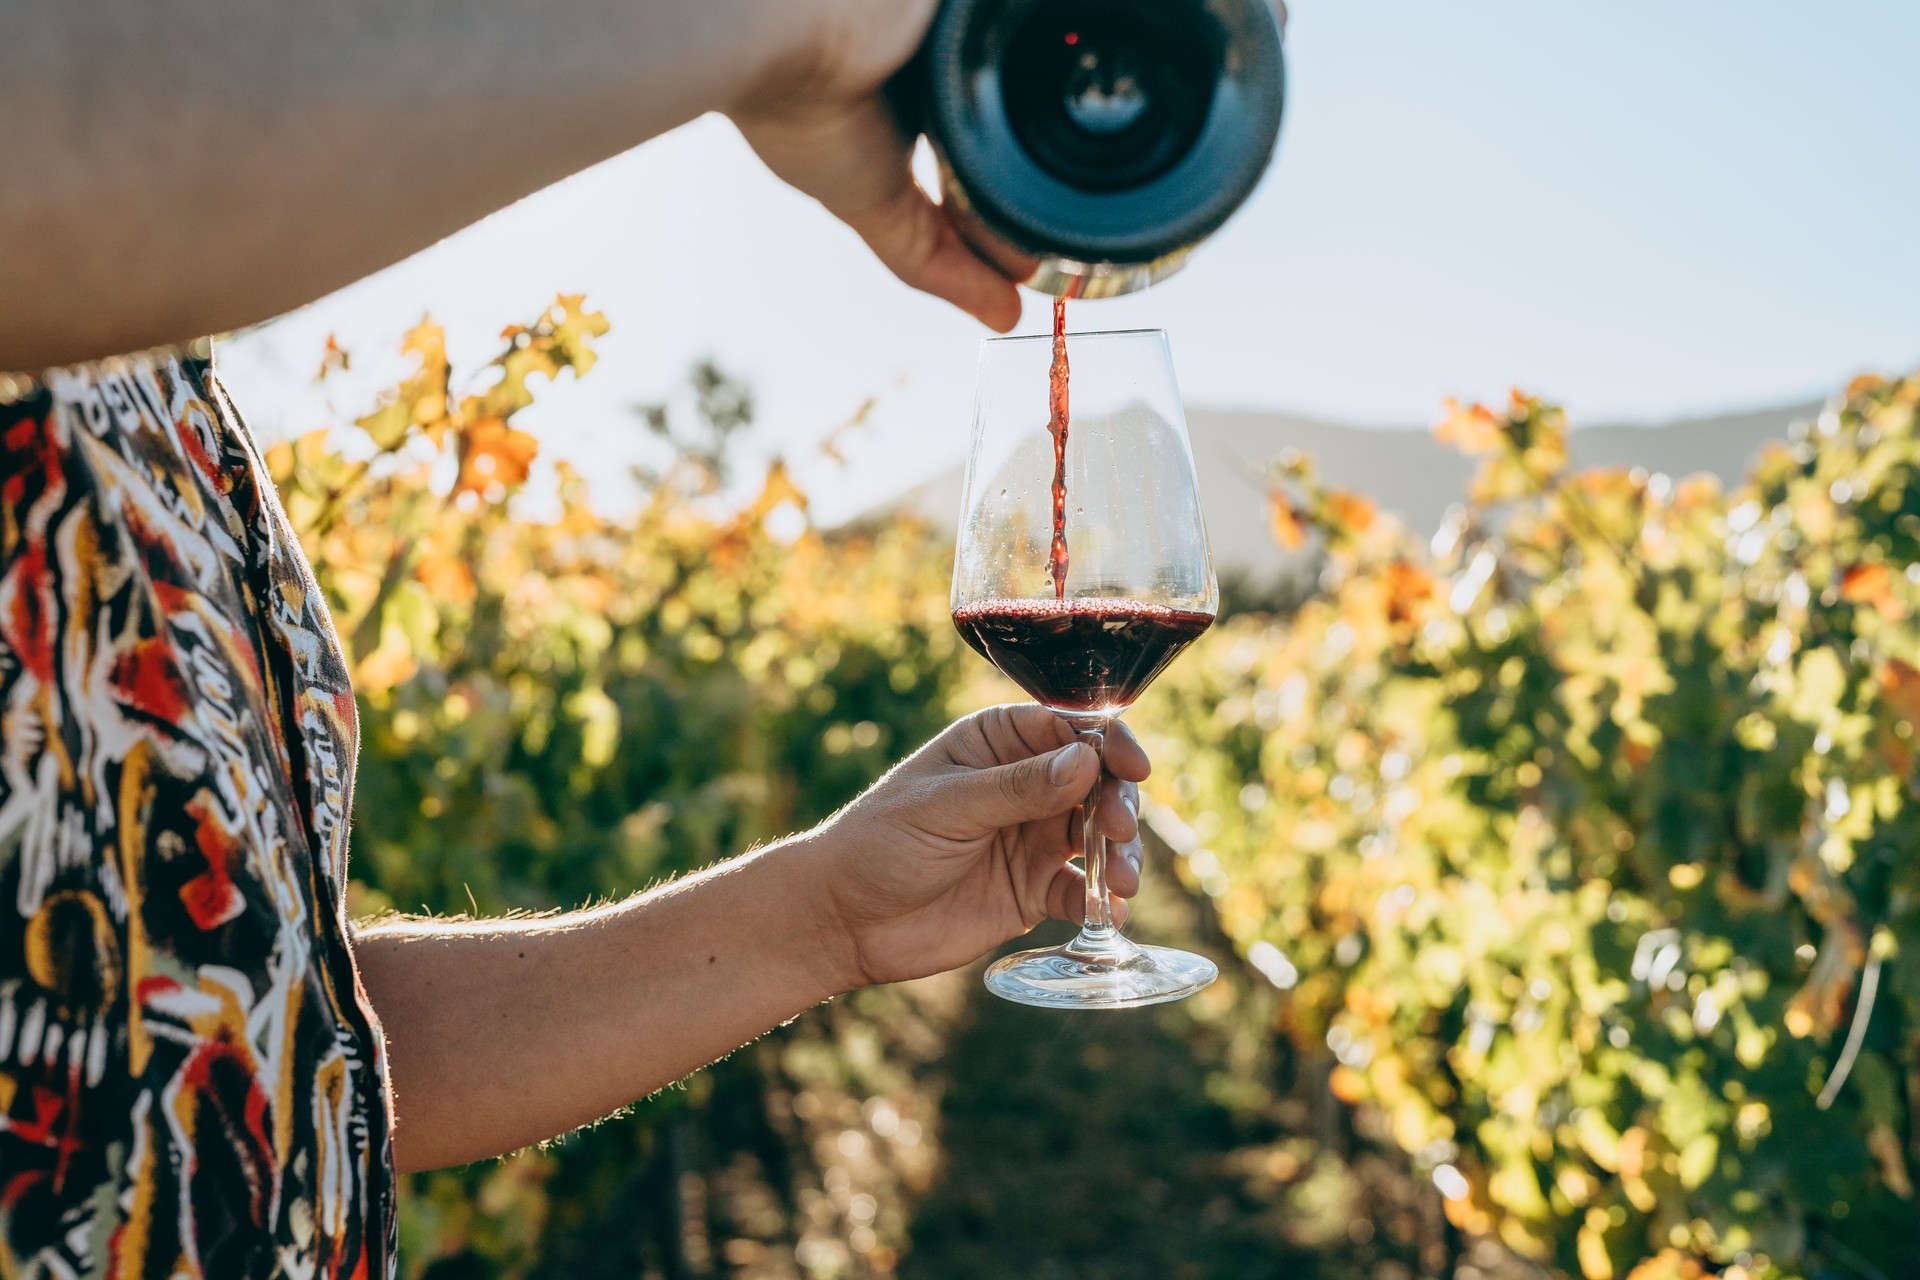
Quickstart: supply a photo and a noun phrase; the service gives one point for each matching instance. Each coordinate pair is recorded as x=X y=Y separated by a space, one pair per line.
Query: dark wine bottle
x=1087 y=146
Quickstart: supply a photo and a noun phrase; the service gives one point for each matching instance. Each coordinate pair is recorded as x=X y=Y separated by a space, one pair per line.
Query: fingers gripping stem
x=1099 y=917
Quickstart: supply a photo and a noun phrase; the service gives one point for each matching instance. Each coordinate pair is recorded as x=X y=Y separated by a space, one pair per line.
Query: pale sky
x=1644 y=208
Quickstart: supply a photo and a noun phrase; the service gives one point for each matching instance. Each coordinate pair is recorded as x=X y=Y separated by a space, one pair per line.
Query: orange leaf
x=1467 y=1216
x=491 y=452
x=1900 y=686
x=1472 y=429
x=1285 y=522
x=1668 y=1264
x=1347 y=1084
x=1350 y=511
x=447 y=578
x=594 y=594
x=1409 y=589
x=1696 y=491
x=1871 y=584
x=1631 y=1156
x=384 y=668
x=333 y=360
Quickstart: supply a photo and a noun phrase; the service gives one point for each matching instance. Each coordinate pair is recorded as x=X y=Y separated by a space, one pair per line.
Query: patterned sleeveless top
x=191 y=1080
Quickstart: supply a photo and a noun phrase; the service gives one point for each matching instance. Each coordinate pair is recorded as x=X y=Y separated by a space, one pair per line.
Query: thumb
x=1041 y=786
x=911 y=235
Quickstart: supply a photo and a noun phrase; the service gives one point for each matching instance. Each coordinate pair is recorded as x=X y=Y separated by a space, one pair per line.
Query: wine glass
x=1137 y=587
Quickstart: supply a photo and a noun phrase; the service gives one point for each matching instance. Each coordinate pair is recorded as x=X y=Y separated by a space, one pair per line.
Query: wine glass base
x=1072 y=977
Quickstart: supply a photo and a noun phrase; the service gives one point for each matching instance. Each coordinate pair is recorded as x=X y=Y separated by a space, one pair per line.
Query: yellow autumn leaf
x=1591 y=1248
x=385 y=667
x=1668 y=1264
x=447 y=577
x=777 y=489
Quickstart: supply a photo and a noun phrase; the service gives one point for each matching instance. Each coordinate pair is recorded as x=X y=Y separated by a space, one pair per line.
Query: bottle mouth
x=1074 y=334
x=1104 y=132
x=1106 y=96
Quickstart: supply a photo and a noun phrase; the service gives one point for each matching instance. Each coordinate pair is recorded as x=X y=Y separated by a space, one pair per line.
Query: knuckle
x=1015 y=785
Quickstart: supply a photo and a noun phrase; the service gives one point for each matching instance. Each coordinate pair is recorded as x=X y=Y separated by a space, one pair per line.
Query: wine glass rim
x=1073 y=333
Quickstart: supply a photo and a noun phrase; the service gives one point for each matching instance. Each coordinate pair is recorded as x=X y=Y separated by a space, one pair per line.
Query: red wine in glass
x=1089 y=654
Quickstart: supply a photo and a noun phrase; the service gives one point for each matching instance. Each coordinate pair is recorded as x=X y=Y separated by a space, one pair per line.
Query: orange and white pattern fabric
x=191 y=1080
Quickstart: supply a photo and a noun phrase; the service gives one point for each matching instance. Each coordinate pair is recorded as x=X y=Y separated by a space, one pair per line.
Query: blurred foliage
x=1584 y=839
x=563 y=707
x=566 y=707
x=1566 y=850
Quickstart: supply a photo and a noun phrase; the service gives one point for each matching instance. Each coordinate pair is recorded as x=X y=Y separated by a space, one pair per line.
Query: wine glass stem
x=1098 y=928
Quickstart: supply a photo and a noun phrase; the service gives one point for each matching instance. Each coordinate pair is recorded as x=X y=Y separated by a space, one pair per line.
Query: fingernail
x=1066 y=763
x=1133 y=854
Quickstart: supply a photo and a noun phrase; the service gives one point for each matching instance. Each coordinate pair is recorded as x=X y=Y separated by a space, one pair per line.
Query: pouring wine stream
x=1099 y=943
x=1057 y=415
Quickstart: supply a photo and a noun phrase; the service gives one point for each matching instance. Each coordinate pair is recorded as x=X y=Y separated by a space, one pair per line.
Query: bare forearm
x=502 y=1034
x=190 y=166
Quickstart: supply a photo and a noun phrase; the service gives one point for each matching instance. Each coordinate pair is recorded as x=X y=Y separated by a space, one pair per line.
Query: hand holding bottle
x=820 y=121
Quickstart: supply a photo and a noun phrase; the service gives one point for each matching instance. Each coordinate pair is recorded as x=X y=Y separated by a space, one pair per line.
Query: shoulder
x=143 y=438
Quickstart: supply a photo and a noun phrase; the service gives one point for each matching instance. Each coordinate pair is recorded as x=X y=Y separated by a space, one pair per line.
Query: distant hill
x=1406 y=471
